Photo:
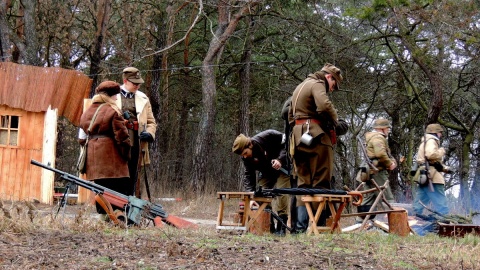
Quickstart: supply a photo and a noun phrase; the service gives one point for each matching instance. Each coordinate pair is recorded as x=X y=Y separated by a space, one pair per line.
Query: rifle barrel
x=90 y=185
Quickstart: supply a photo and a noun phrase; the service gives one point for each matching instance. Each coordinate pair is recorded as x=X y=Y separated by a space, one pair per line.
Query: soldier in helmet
x=431 y=152
x=379 y=154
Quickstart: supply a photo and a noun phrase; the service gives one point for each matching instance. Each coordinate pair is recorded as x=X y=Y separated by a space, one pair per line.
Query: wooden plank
x=85 y=195
x=28 y=145
x=6 y=173
x=21 y=179
x=48 y=149
x=3 y=178
x=15 y=183
x=372 y=213
x=32 y=145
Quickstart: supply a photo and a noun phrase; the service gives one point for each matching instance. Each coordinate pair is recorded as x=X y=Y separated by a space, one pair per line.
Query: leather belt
x=131 y=124
x=97 y=136
x=304 y=121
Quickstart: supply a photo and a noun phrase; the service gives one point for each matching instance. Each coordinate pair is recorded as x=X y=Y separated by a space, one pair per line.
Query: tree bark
x=103 y=15
x=5 y=51
x=205 y=134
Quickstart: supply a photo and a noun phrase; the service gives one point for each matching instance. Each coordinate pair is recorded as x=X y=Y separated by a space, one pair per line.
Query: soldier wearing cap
x=266 y=153
x=108 y=140
x=312 y=114
x=431 y=152
x=140 y=122
x=379 y=154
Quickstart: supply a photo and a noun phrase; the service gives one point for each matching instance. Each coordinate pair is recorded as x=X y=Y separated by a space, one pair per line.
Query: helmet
x=381 y=123
x=434 y=128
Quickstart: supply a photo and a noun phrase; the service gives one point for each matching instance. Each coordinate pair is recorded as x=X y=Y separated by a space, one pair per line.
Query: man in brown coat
x=141 y=124
x=315 y=125
x=108 y=141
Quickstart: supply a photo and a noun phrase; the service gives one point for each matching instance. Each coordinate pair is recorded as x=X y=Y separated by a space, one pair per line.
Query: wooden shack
x=31 y=99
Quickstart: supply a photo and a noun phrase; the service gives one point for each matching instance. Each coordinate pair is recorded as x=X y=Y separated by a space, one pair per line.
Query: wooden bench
x=325 y=200
x=249 y=216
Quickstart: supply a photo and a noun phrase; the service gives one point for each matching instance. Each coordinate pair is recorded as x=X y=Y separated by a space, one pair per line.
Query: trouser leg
x=302 y=219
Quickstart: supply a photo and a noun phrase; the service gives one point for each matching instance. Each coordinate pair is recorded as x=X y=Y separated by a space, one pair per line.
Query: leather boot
x=302 y=220
x=281 y=229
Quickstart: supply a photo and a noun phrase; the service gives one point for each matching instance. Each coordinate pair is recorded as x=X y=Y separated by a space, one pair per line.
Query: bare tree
x=225 y=28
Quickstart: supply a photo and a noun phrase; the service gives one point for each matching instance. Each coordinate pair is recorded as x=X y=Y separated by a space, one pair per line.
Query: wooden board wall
x=85 y=195
x=19 y=180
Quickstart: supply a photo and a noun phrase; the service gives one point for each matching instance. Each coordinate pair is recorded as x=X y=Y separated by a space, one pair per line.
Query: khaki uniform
x=433 y=153
x=379 y=153
x=144 y=116
x=314 y=163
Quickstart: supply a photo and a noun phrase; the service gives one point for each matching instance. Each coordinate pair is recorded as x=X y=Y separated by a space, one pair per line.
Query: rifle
x=427 y=165
x=136 y=208
x=365 y=154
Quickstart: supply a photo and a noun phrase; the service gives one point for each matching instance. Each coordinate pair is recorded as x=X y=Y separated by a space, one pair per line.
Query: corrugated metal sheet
x=35 y=88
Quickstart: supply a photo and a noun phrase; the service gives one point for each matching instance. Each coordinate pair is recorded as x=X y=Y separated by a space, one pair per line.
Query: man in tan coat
x=313 y=117
x=141 y=124
x=379 y=154
x=431 y=152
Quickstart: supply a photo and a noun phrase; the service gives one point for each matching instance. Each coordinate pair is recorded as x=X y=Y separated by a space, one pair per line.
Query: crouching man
x=265 y=153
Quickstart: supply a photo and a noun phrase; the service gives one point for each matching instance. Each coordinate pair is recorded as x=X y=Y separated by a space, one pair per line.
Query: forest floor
x=78 y=238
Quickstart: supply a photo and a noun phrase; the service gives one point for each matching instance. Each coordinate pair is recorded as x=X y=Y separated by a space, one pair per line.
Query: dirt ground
x=79 y=239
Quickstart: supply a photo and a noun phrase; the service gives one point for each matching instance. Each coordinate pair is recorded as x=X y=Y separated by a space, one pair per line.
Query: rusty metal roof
x=34 y=88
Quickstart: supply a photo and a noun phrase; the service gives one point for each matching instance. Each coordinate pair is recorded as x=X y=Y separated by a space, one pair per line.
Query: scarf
x=104 y=98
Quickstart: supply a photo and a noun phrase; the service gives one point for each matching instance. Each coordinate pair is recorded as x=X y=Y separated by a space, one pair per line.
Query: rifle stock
x=135 y=208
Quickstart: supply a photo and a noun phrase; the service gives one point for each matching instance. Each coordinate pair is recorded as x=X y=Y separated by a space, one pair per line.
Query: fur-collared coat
x=145 y=117
x=109 y=143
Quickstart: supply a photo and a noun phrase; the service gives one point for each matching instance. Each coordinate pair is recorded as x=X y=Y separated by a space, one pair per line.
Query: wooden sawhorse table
x=249 y=216
x=325 y=200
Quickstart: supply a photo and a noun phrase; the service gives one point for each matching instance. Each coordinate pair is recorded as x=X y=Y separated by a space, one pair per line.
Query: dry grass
x=207 y=248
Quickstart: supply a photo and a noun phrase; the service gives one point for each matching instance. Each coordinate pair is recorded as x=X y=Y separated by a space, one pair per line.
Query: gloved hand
x=145 y=136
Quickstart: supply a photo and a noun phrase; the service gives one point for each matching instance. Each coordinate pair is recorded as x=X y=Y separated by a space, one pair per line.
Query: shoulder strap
x=296 y=98
x=93 y=119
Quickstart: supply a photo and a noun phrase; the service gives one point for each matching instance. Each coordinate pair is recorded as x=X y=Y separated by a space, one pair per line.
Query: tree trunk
x=5 y=52
x=205 y=134
x=103 y=14
x=244 y=74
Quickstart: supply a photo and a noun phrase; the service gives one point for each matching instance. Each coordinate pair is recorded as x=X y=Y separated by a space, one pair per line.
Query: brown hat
x=434 y=128
x=132 y=74
x=240 y=143
x=336 y=73
x=108 y=87
x=381 y=123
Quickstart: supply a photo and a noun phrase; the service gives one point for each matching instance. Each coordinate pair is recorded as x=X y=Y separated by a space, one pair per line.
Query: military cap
x=108 y=87
x=434 y=128
x=240 y=143
x=336 y=73
x=132 y=74
x=381 y=123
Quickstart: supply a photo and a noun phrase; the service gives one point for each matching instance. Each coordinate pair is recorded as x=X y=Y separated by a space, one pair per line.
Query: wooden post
x=398 y=222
